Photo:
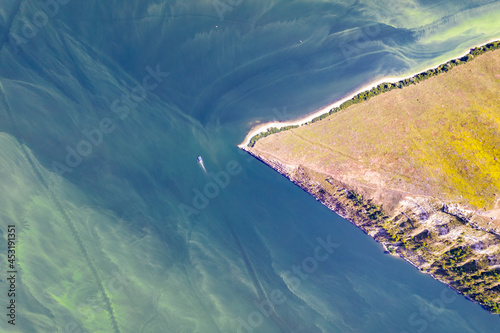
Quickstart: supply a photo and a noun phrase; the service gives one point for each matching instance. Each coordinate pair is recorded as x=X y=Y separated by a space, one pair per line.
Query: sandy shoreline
x=264 y=127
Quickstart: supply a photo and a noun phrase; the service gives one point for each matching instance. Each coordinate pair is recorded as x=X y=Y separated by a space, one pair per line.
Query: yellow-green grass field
x=440 y=138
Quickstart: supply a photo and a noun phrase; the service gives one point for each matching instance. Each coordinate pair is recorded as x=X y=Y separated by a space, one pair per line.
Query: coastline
x=258 y=129
x=438 y=237
x=357 y=218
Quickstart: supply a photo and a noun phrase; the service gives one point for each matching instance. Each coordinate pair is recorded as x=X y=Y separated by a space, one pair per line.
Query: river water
x=105 y=107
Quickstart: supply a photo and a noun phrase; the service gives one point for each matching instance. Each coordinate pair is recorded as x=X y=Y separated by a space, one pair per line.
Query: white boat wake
x=200 y=162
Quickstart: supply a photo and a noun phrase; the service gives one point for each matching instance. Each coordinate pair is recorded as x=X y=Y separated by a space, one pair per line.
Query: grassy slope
x=439 y=138
x=411 y=150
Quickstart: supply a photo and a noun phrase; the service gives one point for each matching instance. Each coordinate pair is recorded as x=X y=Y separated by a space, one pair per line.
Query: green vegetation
x=439 y=138
x=385 y=87
x=460 y=266
x=472 y=276
x=415 y=152
x=372 y=211
x=270 y=131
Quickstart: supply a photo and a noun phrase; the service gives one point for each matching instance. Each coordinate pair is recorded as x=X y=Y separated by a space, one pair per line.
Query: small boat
x=200 y=162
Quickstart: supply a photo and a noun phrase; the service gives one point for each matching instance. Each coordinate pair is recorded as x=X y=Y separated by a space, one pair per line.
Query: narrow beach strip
x=262 y=128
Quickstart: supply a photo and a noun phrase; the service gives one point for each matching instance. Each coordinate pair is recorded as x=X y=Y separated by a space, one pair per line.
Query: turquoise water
x=104 y=110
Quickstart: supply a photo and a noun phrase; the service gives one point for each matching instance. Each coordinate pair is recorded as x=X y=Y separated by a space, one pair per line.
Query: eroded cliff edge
x=455 y=245
x=414 y=165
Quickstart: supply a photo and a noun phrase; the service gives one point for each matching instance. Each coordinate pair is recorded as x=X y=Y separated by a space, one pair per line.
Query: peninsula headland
x=413 y=162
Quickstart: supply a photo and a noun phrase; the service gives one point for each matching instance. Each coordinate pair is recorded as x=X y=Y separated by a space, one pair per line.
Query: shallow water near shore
x=178 y=250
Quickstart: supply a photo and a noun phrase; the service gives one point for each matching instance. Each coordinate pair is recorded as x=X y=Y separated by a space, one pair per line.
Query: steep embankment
x=417 y=168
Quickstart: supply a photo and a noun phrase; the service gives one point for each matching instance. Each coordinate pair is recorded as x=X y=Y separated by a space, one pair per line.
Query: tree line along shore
x=386 y=86
x=416 y=169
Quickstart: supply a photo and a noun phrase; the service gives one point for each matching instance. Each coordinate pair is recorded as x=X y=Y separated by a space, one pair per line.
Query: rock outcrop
x=452 y=243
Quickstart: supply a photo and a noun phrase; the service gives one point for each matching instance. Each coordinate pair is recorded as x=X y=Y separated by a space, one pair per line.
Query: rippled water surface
x=105 y=107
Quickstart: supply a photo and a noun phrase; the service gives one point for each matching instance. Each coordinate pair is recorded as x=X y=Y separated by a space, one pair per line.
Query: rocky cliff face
x=452 y=243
